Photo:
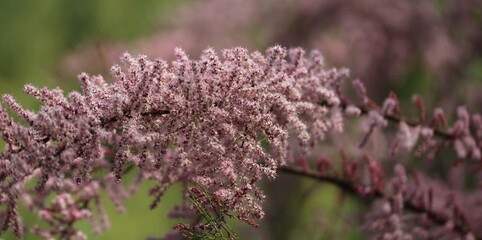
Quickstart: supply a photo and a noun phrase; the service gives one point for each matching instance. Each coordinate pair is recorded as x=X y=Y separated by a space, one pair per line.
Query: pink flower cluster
x=217 y=124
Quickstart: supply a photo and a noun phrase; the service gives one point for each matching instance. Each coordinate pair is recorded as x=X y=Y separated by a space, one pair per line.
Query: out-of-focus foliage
x=34 y=35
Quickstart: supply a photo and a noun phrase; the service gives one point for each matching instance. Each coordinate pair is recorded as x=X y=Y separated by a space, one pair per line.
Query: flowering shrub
x=218 y=125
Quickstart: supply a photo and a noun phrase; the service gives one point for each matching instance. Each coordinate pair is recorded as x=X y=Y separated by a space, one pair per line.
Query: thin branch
x=351 y=188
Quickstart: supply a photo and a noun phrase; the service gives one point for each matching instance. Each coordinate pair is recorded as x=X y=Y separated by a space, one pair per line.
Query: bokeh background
x=429 y=47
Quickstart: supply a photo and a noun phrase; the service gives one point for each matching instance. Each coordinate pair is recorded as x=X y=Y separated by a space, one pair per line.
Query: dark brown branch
x=351 y=188
x=105 y=122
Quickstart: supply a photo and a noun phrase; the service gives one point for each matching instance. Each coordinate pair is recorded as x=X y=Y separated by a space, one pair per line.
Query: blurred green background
x=35 y=35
